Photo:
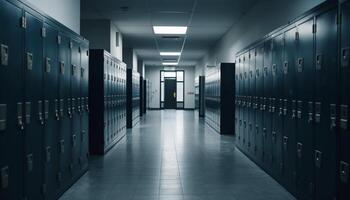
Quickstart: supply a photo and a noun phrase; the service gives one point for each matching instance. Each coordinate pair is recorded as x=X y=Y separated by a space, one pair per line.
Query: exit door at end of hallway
x=170 y=93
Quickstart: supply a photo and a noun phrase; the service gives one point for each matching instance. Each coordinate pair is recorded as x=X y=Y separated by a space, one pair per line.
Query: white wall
x=66 y=12
x=115 y=50
x=152 y=73
x=261 y=19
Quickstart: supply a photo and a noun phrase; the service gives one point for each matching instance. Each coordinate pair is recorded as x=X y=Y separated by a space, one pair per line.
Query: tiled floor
x=172 y=155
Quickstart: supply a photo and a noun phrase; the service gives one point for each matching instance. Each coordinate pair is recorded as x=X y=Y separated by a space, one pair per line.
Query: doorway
x=170 y=93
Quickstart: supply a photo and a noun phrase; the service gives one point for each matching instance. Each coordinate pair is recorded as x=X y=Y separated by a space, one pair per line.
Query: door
x=170 y=94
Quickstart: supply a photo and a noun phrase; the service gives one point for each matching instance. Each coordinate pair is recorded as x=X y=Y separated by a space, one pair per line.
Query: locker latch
x=311 y=111
x=299 y=109
x=285 y=143
x=61 y=107
x=345 y=54
x=74 y=69
x=280 y=107
x=28 y=111
x=87 y=104
x=294 y=109
x=73 y=105
x=264 y=103
x=40 y=112
x=333 y=118
x=266 y=73
x=299 y=150
x=273 y=107
x=19 y=116
x=344 y=172
x=318 y=158
x=274 y=70
x=82 y=72
x=285 y=67
x=318 y=112
x=3 y=116
x=300 y=64
x=48 y=65
x=83 y=133
x=79 y=105
x=257 y=73
x=82 y=105
x=48 y=154
x=4 y=55
x=273 y=136
x=61 y=67
x=344 y=117
x=285 y=107
x=69 y=111
x=74 y=140
x=57 y=114
x=62 y=146
x=46 y=109
x=29 y=163
x=29 y=61
x=319 y=61
x=5 y=177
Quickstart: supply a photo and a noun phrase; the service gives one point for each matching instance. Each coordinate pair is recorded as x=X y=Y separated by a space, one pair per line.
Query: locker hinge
x=43 y=32
x=24 y=22
x=314 y=28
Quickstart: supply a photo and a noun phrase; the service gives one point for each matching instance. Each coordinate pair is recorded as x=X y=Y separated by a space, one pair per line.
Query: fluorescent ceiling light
x=170 y=63
x=170 y=53
x=170 y=30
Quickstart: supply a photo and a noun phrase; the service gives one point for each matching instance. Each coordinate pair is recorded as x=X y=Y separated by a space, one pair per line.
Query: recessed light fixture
x=170 y=63
x=170 y=30
x=170 y=53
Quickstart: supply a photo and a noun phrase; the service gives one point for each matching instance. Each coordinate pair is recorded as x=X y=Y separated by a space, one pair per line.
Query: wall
x=130 y=58
x=261 y=19
x=152 y=73
x=115 y=50
x=66 y=12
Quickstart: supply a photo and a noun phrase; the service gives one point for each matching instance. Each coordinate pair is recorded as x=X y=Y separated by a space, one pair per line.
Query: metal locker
x=33 y=93
x=237 y=97
x=245 y=100
x=304 y=89
x=251 y=125
x=343 y=164
x=267 y=132
x=241 y=115
x=259 y=84
x=75 y=120
x=326 y=90
x=277 y=103
x=289 y=106
x=11 y=50
x=84 y=93
x=64 y=116
x=50 y=89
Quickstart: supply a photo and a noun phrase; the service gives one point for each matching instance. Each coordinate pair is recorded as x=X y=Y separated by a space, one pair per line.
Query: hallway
x=172 y=155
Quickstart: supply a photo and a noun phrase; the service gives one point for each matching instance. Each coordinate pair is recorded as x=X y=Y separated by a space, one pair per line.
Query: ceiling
x=207 y=21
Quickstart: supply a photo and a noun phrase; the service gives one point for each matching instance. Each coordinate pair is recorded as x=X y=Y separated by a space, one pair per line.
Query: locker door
x=75 y=93
x=277 y=86
x=325 y=94
x=240 y=111
x=245 y=100
x=65 y=131
x=267 y=104
x=259 y=92
x=105 y=113
x=344 y=191
x=289 y=106
x=304 y=83
x=251 y=103
x=84 y=93
x=50 y=104
x=33 y=93
x=237 y=98
x=11 y=45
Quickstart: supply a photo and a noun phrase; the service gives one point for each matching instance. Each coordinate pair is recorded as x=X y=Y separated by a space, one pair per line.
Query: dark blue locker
x=259 y=60
x=276 y=107
x=245 y=100
x=75 y=119
x=49 y=107
x=241 y=107
x=33 y=94
x=64 y=112
x=251 y=125
x=11 y=106
x=237 y=98
x=326 y=91
x=289 y=111
x=84 y=94
x=305 y=93
x=267 y=104
x=344 y=157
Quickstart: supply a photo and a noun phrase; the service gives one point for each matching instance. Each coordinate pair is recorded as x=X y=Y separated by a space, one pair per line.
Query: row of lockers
x=292 y=102
x=219 y=94
x=199 y=85
x=107 y=99
x=133 y=98
x=43 y=104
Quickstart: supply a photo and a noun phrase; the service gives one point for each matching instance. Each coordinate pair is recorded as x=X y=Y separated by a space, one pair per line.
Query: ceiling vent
x=169 y=60
x=168 y=37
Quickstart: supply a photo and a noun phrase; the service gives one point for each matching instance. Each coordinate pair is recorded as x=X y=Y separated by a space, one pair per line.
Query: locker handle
x=19 y=116
x=310 y=118
x=56 y=110
x=344 y=172
x=293 y=114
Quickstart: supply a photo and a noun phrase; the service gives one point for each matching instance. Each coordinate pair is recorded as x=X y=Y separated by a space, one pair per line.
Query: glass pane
x=162 y=76
x=162 y=91
x=180 y=92
x=180 y=76
x=170 y=74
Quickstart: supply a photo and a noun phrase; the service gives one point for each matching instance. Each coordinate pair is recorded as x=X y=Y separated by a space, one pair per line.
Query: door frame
x=161 y=103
